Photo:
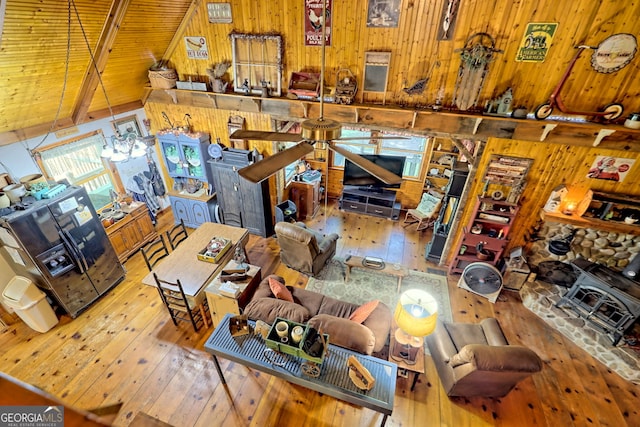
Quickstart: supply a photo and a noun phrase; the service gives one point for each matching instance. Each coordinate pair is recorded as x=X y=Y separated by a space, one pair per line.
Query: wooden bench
x=392 y=269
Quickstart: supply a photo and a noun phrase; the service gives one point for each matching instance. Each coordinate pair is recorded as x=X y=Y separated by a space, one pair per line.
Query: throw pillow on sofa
x=267 y=309
x=280 y=290
x=362 y=313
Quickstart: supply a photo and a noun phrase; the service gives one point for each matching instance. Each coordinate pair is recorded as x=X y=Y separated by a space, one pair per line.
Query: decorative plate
x=215 y=151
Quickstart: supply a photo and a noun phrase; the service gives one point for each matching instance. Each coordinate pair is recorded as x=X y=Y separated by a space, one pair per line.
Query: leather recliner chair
x=303 y=249
x=476 y=359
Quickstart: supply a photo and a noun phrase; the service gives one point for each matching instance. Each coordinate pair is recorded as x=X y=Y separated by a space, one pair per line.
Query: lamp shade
x=416 y=312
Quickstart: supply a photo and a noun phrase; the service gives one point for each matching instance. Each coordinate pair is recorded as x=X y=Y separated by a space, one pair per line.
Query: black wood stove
x=605 y=298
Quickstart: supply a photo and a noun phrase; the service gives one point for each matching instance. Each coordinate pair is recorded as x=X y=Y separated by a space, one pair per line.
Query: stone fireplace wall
x=615 y=250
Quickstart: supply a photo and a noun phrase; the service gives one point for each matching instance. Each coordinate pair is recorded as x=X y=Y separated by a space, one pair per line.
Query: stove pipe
x=632 y=270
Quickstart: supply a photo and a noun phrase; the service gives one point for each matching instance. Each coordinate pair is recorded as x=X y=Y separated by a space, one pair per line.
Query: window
x=78 y=160
x=412 y=147
x=257 y=63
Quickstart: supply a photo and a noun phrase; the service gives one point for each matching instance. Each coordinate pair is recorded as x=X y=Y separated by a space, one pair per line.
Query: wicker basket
x=163 y=79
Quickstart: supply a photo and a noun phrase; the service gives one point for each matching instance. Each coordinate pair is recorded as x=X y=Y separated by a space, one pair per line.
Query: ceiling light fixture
x=123 y=147
x=127 y=146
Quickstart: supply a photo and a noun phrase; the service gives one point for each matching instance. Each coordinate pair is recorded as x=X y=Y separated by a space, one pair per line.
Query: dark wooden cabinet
x=377 y=203
x=455 y=187
x=242 y=203
x=306 y=197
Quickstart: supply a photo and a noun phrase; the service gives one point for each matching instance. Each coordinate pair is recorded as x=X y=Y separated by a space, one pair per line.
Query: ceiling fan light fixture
x=321 y=129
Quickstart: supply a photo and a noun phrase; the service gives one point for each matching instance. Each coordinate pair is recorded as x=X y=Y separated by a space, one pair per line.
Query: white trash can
x=30 y=303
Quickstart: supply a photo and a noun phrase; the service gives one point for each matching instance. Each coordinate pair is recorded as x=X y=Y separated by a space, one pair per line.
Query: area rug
x=366 y=285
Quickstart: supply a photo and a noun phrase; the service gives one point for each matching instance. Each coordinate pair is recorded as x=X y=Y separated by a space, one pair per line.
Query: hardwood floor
x=125 y=349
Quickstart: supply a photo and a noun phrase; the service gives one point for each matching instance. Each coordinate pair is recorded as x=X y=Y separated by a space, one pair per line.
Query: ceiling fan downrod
x=321 y=129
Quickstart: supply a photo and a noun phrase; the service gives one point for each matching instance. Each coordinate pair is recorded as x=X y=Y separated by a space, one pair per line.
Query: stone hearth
x=608 y=248
x=541 y=297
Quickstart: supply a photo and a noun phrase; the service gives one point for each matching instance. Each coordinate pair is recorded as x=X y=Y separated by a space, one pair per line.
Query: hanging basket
x=163 y=79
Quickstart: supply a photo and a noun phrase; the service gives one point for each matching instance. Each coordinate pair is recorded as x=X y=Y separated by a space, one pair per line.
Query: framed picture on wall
x=126 y=125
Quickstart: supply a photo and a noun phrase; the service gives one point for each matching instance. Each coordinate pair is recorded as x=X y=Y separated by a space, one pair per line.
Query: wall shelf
x=598 y=224
x=462 y=125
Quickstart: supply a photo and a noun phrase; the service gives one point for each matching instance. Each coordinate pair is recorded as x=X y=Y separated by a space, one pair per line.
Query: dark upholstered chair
x=303 y=249
x=476 y=359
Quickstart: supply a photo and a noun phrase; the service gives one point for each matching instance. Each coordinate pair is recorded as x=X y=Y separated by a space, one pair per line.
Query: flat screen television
x=356 y=176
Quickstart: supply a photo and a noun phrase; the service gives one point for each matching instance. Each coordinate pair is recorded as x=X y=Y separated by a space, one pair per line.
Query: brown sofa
x=303 y=249
x=324 y=313
x=476 y=359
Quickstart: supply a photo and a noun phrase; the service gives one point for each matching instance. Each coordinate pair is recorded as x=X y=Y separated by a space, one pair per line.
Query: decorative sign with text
x=313 y=22
x=196 y=47
x=536 y=41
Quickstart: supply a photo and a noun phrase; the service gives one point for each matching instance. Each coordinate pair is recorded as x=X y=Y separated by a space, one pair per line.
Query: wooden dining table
x=183 y=262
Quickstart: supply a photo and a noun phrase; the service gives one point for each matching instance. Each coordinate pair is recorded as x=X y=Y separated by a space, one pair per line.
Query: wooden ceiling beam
x=23 y=134
x=101 y=56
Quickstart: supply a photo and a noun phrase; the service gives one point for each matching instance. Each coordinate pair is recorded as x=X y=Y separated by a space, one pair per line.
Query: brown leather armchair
x=303 y=249
x=476 y=359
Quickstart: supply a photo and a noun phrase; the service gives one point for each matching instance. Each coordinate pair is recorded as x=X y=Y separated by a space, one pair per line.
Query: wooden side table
x=220 y=304
x=417 y=368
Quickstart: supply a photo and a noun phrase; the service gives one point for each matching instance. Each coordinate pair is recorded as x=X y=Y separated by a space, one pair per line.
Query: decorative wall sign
x=536 y=41
x=614 y=53
x=219 y=13
x=504 y=170
x=610 y=168
x=196 y=47
x=448 y=20
x=383 y=13
x=313 y=22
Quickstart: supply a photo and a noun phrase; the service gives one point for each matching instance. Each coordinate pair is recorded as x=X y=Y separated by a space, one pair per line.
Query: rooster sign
x=313 y=20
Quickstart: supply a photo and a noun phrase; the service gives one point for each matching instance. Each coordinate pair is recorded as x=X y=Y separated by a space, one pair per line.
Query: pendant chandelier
x=127 y=146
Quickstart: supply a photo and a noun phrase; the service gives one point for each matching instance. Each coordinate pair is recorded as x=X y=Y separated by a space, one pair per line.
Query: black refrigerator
x=61 y=245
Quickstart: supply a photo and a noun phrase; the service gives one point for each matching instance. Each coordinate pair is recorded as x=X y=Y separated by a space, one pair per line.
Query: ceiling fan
x=313 y=130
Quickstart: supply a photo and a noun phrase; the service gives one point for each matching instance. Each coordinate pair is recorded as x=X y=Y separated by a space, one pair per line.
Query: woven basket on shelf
x=163 y=79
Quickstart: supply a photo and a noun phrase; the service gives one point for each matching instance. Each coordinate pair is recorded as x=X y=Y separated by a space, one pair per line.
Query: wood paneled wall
x=553 y=164
x=418 y=53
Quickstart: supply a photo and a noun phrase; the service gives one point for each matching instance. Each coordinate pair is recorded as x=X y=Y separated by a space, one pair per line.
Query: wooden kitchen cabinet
x=131 y=232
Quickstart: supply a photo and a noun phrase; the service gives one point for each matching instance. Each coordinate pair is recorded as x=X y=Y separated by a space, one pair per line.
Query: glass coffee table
x=251 y=351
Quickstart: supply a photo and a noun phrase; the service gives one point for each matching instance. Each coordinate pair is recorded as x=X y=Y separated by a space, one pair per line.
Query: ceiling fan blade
x=379 y=172
x=265 y=168
x=361 y=138
x=266 y=136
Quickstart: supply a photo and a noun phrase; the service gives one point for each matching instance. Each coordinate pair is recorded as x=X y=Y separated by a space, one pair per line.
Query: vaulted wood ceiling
x=46 y=50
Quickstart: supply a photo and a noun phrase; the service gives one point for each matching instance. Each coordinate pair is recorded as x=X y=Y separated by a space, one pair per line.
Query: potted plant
x=215 y=74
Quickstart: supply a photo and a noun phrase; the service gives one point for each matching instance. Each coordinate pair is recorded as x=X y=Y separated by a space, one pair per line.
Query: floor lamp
x=416 y=314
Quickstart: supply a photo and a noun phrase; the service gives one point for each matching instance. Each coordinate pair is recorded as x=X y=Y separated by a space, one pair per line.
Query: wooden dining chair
x=177 y=234
x=181 y=307
x=154 y=251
